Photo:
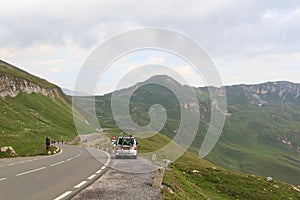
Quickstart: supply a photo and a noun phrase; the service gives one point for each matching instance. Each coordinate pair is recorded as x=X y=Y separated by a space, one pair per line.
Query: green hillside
x=28 y=118
x=210 y=181
x=261 y=134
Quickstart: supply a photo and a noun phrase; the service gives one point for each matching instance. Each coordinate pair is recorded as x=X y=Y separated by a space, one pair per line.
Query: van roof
x=126 y=137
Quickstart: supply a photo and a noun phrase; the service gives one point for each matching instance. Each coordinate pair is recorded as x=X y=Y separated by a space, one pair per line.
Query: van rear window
x=125 y=141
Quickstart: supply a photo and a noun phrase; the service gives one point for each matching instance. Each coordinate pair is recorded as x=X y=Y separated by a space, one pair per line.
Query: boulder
x=9 y=150
x=269 y=178
x=4 y=149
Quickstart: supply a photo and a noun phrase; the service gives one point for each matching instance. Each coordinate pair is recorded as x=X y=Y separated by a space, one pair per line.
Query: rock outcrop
x=12 y=86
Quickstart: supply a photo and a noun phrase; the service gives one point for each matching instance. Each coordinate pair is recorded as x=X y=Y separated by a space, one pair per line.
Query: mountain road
x=58 y=176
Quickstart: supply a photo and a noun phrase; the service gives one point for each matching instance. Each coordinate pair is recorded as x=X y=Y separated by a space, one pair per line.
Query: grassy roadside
x=212 y=182
x=28 y=119
x=190 y=177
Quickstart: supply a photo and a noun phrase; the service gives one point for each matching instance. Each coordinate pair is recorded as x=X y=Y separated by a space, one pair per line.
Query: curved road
x=50 y=177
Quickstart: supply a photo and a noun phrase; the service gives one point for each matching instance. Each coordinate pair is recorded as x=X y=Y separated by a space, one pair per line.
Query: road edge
x=104 y=168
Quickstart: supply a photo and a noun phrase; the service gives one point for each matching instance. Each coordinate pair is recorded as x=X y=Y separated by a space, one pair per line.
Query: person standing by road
x=47 y=143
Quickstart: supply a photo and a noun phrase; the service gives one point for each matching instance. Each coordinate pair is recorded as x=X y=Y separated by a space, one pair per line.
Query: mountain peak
x=161 y=78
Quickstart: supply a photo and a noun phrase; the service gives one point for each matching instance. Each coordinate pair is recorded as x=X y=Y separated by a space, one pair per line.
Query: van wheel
x=117 y=157
x=135 y=157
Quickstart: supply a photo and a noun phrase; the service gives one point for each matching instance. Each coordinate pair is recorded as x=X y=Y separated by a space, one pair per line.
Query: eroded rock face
x=279 y=88
x=12 y=86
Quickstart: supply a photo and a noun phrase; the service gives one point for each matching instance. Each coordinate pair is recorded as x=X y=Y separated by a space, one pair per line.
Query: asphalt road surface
x=56 y=177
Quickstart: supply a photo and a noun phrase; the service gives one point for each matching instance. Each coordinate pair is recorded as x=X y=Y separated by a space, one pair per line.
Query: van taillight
x=134 y=148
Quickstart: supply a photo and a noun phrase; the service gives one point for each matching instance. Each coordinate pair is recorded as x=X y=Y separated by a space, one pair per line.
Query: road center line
x=99 y=171
x=63 y=195
x=91 y=177
x=103 y=167
x=34 y=170
x=57 y=163
x=80 y=184
x=1 y=179
x=77 y=155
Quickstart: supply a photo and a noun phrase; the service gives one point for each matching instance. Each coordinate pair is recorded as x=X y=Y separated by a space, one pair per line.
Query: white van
x=126 y=147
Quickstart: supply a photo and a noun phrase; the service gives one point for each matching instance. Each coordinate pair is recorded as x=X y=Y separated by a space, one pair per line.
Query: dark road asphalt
x=50 y=177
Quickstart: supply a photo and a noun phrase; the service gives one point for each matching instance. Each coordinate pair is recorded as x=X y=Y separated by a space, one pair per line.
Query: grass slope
x=28 y=119
x=210 y=182
x=252 y=136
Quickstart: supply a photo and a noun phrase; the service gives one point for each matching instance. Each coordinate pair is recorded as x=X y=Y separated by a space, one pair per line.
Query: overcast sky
x=249 y=41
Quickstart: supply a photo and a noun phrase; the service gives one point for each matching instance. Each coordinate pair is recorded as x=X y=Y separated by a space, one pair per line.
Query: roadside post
x=153 y=157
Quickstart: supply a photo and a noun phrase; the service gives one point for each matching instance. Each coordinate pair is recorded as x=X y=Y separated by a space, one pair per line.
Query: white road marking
x=63 y=195
x=21 y=162
x=66 y=160
x=108 y=161
x=1 y=179
x=77 y=155
x=57 y=163
x=11 y=164
x=34 y=170
x=91 y=177
x=80 y=184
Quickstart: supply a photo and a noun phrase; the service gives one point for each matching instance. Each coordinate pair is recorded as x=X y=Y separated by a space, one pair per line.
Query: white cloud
x=247 y=37
x=269 y=14
x=55 y=70
x=156 y=59
x=292 y=15
x=267 y=67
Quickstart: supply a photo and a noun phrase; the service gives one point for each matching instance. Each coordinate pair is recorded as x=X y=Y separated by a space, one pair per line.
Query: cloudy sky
x=249 y=41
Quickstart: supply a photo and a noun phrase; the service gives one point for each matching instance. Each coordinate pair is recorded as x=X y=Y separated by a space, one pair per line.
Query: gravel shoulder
x=123 y=184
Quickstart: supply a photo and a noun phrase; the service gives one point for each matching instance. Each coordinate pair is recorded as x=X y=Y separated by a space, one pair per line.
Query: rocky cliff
x=12 y=86
x=14 y=81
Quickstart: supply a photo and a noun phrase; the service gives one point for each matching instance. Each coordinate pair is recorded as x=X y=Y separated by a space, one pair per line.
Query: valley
x=261 y=134
x=260 y=137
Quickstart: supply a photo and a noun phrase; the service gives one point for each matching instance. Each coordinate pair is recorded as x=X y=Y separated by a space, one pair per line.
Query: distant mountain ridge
x=279 y=91
x=262 y=129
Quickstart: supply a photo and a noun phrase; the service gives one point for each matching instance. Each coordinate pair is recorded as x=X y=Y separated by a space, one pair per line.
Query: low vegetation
x=28 y=119
x=261 y=133
x=190 y=177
